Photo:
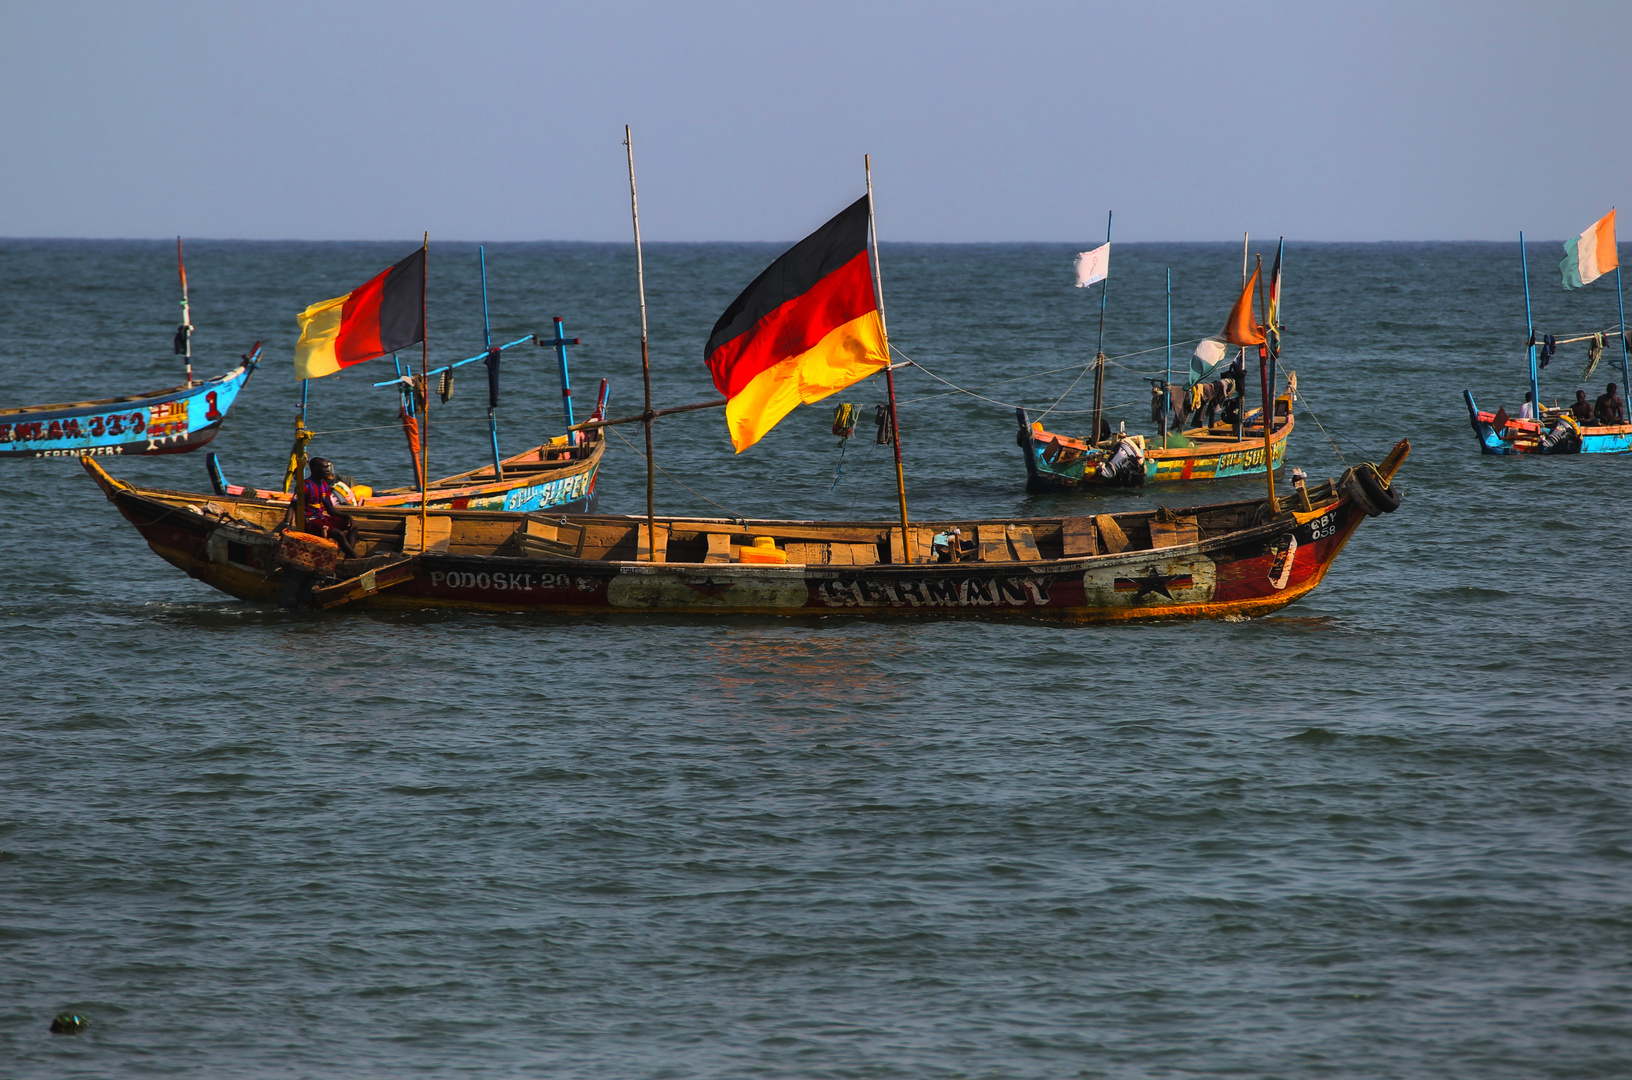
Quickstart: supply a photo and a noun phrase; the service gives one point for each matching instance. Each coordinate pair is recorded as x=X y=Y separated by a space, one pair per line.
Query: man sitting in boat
x=1527 y=411
x=1609 y=409
x=1581 y=410
x=323 y=514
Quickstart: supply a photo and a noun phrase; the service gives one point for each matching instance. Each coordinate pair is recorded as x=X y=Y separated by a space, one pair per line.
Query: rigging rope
x=1304 y=401
x=1081 y=369
x=728 y=511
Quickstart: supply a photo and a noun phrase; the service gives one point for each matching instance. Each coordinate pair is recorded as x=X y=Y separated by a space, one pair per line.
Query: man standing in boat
x=323 y=514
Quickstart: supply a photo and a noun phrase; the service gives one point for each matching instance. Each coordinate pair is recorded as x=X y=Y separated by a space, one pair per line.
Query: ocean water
x=1384 y=833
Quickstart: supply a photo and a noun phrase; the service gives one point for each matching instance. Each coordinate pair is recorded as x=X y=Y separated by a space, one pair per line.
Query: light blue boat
x=171 y=421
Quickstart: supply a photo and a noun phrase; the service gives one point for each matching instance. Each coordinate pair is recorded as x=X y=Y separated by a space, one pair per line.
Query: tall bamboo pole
x=1099 y=349
x=425 y=376
x=1167 y=379
x=1626 y=368
x=1241 y=356
x=1269 y=406
x=909 y=550
x=1530 y=327
x=186 y=314
x=645 y=357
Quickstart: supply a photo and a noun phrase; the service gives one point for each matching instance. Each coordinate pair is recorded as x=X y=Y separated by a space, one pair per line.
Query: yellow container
x=762 y=550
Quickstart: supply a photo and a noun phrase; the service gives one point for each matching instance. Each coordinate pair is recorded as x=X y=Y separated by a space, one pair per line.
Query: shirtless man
x=1609 y=409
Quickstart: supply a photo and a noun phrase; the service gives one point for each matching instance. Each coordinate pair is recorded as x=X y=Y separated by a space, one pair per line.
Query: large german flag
x=383 y=315
x=806 y=328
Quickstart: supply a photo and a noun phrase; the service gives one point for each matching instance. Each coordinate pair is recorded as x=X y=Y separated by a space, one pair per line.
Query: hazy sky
x=1001 y=121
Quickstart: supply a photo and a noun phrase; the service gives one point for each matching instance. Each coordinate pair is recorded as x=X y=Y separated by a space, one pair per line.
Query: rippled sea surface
x=1384 y=833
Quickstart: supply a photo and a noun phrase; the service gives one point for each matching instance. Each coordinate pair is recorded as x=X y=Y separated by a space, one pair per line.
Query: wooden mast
x=425 y=377
x=1099 y=350
x=645 y=357
x=908 y=548
x=1626 y=369
x=1241 y=356
x=186 y=330
x=1167 y=379
x=1269 y=406
x=1530 y=327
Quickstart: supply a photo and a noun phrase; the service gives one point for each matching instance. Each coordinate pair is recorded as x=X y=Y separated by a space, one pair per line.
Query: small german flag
x=806 y=328
x=382 y=316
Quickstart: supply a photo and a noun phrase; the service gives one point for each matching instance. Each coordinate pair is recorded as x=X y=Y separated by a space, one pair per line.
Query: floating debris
x=68 y=1024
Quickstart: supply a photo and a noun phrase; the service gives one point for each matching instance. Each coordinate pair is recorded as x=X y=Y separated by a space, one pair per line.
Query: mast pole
x=487 y=343
x=1167 y=378
x=186 y=315
x=645 y=356
x=1626 y=376
x=1099 y=349
x=909 y=550
x=1530 y=326
x=561 y=362
x=425 y=377
x=1275 y=353
x=1269 y=408
x=1241 y=356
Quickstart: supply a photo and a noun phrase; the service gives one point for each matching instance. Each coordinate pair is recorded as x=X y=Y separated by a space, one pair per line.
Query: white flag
x=1209 y=354
x=1211 y=351
x=1093 y=265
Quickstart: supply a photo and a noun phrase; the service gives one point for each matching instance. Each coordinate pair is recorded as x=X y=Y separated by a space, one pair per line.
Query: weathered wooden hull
x=1227 y=572
x=1529 y=436
x=1052 y=464
x=170 y=421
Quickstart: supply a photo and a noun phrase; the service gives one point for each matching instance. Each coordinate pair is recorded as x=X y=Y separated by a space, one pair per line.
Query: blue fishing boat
x=171 y=421
x=1599 y=427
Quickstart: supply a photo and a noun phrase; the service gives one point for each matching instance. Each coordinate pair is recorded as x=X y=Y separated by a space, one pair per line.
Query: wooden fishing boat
x=1218 y=451
x=171 y=421
x=556 y=475
x=1061 y=463
x=1552 y=430
x=1225 y=560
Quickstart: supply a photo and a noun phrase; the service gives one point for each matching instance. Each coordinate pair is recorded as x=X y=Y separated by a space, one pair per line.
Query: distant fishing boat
x=1217 y=451
x=386 y=314
x=1562 y=431
x=171 y=421
x=1060 y=462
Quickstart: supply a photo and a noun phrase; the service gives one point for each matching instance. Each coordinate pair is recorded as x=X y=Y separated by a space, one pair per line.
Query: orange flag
x=1242 y=328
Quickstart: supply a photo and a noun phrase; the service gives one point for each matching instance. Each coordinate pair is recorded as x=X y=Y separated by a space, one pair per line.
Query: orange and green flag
x=1590 y=255
x=807 y=327
x=379 y=317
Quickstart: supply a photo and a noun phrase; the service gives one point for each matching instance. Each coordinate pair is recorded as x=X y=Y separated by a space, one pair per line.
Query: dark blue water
x=1385 y=833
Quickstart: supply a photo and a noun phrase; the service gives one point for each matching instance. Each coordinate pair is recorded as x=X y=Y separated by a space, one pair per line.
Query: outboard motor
x=1125 y=467
x=1564 y=438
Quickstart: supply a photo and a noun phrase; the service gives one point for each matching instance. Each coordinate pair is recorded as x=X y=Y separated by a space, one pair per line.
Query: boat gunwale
x=156 y=397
